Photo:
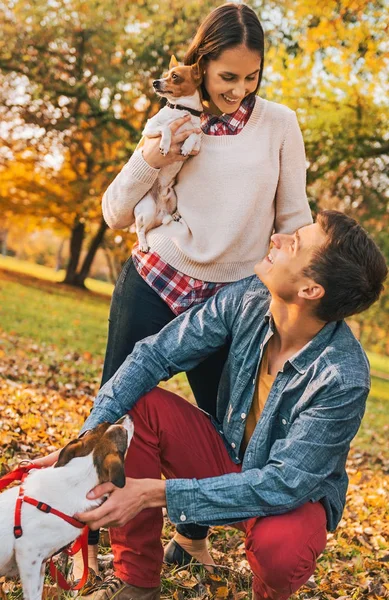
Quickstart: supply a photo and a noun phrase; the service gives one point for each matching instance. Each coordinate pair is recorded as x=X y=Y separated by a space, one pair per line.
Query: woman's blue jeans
x=137 y=311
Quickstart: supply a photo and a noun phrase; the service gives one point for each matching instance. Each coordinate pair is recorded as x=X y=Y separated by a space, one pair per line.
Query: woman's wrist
x=148 y=158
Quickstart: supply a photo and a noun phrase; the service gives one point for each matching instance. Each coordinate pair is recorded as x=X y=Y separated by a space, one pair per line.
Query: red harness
x=81 y=542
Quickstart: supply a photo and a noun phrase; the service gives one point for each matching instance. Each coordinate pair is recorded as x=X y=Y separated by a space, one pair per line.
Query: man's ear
x=311 y=291
x=197 y=72
x=112 y=469
x=173 y=62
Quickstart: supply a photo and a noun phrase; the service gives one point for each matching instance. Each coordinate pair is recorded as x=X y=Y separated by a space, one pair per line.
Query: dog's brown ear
x=111 y=468
x=197 y=72
x=71 y=450
x=117 y=436
x=109 y=455
x=81 y=446
x=173 y=62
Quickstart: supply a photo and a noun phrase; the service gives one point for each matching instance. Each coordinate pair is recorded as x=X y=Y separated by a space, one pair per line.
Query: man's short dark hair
x=349 y=266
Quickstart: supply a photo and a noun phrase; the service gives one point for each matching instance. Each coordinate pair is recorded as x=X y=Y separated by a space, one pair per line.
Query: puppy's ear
x=197 y=73
x=119 y=437
x=71 y=450
x=113 y=470
x=109 y=454
x=173 y=62
x=81 y=446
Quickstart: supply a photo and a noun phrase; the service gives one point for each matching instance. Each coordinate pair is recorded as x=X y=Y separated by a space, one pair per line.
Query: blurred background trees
x=75 y=91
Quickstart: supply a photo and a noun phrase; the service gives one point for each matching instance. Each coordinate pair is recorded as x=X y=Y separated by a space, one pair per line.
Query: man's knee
x=282 y=552
x=154 y=399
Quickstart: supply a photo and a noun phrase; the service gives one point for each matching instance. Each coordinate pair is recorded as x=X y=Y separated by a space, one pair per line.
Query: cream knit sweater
x=231 y=197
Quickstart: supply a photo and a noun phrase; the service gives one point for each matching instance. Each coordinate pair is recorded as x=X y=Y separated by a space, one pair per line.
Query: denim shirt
x=299 y=448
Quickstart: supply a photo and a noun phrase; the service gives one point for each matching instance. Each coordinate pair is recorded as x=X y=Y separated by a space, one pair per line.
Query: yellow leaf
x=221 y=592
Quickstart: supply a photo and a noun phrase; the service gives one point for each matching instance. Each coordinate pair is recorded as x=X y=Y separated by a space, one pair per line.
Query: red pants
x=175 y=438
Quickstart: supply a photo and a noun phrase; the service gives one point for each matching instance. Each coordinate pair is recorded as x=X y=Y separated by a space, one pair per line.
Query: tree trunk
x=76 y=241
x=95 y=244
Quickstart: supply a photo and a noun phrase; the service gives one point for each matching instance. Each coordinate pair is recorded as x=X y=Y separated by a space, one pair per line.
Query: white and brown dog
x=96 y=457
x=180 y=86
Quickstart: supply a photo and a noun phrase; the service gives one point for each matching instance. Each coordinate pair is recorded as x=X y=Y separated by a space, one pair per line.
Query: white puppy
x=95 y=458
x=180 y=87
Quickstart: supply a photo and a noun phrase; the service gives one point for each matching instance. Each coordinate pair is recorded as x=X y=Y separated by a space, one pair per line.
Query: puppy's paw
x=184 y=151
x=144 y=248
x=164 y=148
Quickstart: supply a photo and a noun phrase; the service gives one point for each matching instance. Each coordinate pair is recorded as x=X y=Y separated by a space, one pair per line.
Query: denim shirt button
x=182 y=517
x=283 y=421
x=243 y=416
x=254 y=381
x=233 y=445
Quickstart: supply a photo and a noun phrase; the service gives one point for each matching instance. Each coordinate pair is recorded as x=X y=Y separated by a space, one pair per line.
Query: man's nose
x=279 y=239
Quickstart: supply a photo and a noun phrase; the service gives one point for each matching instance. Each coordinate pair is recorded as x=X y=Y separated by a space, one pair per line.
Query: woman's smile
x=231 y=100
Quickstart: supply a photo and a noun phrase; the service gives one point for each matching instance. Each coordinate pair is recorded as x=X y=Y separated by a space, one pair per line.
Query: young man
x=290 y=401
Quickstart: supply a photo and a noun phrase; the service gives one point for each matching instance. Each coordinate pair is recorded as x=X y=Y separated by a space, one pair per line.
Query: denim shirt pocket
x=281 y=425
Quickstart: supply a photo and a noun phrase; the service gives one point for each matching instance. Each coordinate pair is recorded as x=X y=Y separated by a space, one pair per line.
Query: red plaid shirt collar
x=228 y=124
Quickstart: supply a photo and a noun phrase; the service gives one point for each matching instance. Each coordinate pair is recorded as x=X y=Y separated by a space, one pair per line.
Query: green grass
x=73 y=320
x=375 y=425
x=22 y=266
x=379 y=362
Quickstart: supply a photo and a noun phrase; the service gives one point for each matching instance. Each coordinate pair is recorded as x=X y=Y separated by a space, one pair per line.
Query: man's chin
x=260 y=268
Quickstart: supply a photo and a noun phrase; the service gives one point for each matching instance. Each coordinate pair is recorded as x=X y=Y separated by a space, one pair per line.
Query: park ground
x=52 y=340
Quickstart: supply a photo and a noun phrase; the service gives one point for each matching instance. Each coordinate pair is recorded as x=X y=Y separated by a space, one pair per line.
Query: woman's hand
x=47 y=461
x=123 y=504
x=150 y=147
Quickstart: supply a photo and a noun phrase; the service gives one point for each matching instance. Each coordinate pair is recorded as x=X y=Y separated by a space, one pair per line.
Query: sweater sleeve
x=128 y=187
x=292 y=208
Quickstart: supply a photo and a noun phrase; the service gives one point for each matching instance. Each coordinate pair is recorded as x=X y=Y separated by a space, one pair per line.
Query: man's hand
x=123 y=504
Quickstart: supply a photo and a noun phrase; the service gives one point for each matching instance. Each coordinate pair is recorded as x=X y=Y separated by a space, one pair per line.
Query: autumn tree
x=85 y=72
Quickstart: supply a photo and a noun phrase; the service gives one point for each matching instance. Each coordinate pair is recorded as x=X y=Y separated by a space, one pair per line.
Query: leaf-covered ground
x=44 y=398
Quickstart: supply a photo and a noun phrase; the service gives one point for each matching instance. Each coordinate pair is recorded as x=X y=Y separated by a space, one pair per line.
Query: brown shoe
x=114 y=588
x=91 y=583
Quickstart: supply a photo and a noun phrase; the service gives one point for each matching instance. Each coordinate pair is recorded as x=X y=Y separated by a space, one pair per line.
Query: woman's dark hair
x=226 y=27
x=349 y=266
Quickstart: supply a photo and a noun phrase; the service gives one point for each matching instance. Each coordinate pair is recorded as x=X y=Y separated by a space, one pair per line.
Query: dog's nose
x=156 y=84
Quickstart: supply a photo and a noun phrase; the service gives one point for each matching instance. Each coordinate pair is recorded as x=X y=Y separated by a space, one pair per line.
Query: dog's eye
x=174 y=76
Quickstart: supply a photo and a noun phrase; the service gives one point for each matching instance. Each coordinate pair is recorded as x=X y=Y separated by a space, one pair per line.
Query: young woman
x=247 y=180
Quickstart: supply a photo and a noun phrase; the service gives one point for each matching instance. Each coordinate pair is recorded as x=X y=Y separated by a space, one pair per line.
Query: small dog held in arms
x=180 y=86
x=96 y=457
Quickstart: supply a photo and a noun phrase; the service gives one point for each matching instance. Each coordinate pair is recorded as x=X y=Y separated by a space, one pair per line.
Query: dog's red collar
x=192 y=111
x=81 y=542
